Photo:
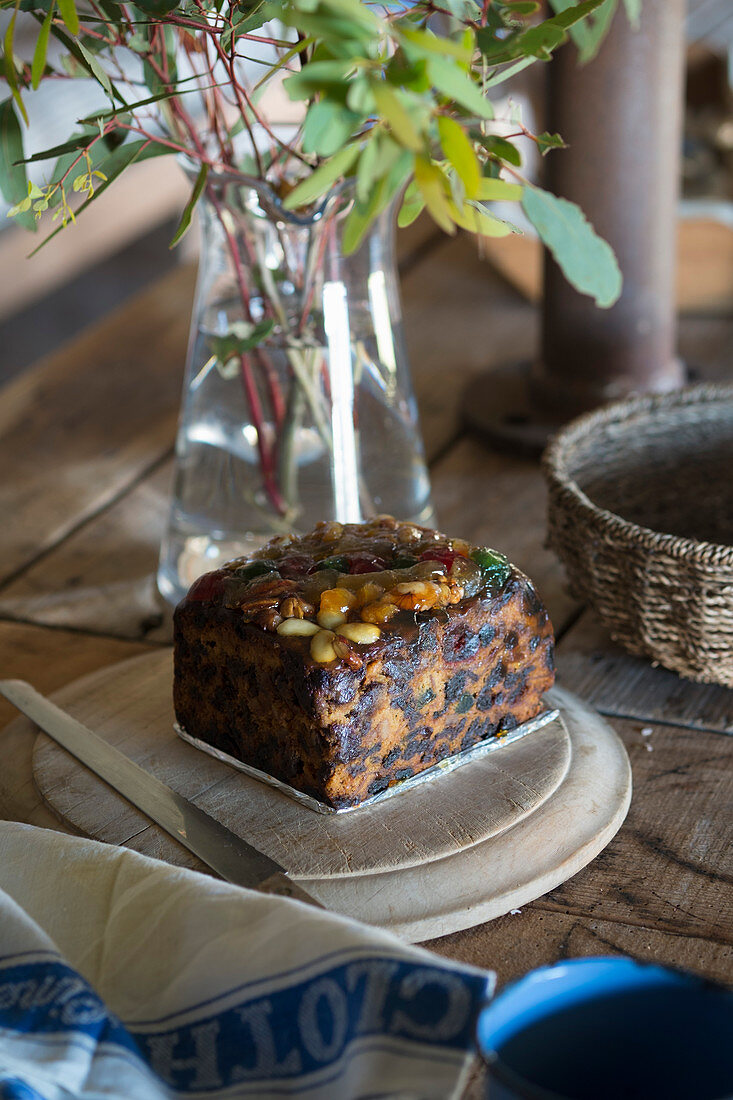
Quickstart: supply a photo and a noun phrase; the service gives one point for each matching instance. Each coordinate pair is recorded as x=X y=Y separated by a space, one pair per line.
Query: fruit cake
x=351 y=658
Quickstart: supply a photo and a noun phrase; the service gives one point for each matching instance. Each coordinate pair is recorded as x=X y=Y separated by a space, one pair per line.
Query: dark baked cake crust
x=431 y=683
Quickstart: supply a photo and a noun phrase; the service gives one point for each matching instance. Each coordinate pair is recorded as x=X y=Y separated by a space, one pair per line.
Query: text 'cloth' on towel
x=121 y=976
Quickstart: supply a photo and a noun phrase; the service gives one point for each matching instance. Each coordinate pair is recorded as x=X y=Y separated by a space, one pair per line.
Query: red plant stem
x=276 y=398
x=267 y=464
x=319 y=262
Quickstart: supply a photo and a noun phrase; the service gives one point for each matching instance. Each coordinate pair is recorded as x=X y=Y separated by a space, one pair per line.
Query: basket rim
x=708 y=554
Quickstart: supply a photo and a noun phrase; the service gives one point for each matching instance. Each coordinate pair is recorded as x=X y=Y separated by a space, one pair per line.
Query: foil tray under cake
x=480 y=749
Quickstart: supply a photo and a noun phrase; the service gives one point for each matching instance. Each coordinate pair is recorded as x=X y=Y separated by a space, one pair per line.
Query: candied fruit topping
x=337 y=588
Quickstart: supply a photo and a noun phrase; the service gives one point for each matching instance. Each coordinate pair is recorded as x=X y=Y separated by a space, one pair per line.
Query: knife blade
x=229 y=855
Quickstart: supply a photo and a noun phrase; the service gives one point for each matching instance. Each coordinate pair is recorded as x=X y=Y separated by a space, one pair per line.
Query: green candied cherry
x=339 y=563
x=493 y=565
x=255 y=569
x=405 y=561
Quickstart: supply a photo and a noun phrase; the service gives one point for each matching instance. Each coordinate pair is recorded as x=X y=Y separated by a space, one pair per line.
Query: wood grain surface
x=130 y=705
x=478 y=842
x=85 y=439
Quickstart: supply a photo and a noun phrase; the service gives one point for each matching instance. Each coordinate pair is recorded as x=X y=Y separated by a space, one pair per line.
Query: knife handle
x=282 y=885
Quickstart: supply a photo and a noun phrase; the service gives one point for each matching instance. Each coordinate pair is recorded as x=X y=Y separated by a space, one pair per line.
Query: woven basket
x=641 y=514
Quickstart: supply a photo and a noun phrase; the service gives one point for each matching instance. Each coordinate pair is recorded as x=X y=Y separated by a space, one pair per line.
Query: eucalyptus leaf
x=317 y=76
x=500 y=147
x=188 y=210
x=477 y=220
x=432 y=184
x=459 y=151
x=587 y=261
x=497 y=190
x=322 y=178
x=392 y=108
x=13 y=179
x=456 y=85
x=328 y=126
x=547 y=141
x=113 y=165
x=238 y=342
x=67 y=11
x=38 y=64
x=428 y=43
x=588 y=34
x=9 y=64
x=412 y=207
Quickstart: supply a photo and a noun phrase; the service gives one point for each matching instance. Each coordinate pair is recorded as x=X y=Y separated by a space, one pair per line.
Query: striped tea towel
x=124 y=977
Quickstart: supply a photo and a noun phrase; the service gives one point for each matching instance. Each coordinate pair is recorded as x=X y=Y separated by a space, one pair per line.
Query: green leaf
x=412 y=207
x=432 y=184
x=113 y=165
x=96 y=70
x=547 y=141
x=39 y=54
x=459 y=151
x=477 y=220
x=317 y=76
x=588 y=34
x=428 y=43
x=493 y=190
x=368 y=168
x=500 y=147
x=452 y=82
x=500 y=75
x=13 y=180
x=392 y=109
x=587 y=261
x=327 y=128
x=185 y=221
x=239 y=342
x=243 y=20
x=322 y=178
x=573 y=13
x=67 y=11
x=363 y=213
x=78 y=141
x=9 y=63
x=522 y=7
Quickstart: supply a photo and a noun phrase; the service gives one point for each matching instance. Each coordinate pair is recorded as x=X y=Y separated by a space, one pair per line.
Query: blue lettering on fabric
x=281 y=1033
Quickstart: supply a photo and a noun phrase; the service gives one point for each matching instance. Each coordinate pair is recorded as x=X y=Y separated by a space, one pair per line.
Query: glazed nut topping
x=417 y=595
x=302 y=628
x=368 y=593
x=322 y=649
x=361 y=633
x=330 y=619
x=341 y=585
x=379 y=612
x=295 y=608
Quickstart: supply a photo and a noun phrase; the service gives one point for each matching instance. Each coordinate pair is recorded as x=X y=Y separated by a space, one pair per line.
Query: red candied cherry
x=362 y=562
x=441 y=554
x=208 y=587
x=295 y=566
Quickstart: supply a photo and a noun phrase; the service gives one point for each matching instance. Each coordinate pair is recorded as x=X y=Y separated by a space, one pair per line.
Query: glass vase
x=297 y=403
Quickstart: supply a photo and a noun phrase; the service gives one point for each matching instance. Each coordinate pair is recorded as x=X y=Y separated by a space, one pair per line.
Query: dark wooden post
x=621 y=117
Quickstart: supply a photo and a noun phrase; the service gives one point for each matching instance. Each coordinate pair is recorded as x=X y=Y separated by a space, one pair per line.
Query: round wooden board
x=130 y=706
x=468 y=880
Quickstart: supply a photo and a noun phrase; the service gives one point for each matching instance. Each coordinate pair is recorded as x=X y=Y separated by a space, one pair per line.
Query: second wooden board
x=442 y=893
x=130 y=705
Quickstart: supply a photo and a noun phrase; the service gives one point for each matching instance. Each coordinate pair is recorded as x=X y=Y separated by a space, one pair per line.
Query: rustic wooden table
x=86 y=441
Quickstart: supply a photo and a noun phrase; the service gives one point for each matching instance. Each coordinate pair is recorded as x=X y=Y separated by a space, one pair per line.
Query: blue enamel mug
x=609 y=1029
